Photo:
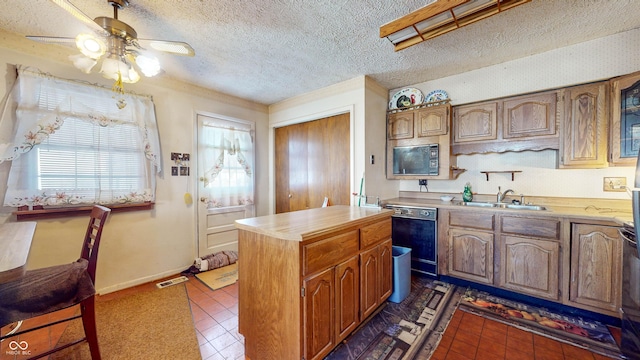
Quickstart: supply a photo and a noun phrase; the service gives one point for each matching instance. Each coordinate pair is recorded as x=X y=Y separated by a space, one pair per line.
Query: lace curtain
x=227 y=156
x=72 y=143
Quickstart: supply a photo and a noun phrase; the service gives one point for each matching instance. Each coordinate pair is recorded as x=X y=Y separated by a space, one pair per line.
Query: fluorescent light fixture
x=440 y=17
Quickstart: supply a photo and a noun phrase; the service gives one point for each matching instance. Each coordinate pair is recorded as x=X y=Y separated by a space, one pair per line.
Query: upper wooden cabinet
x=400 y=125
x=584 y=130
x=625 y=120
x=529 y=116
x=519 y=123
x=421 y=126
x=427 y=121
x=476 y=122
x=432 y=121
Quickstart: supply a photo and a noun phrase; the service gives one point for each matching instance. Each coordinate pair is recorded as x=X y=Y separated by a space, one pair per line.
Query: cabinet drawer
x=329 y=252
x=471 y=219
x=374 y=233
x=535 y=227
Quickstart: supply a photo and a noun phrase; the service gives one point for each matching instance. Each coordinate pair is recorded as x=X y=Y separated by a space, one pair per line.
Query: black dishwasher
x=415 y=228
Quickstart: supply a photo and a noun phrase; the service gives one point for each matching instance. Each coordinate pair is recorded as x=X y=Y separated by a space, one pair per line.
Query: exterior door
x=226 y=181
x=312 y=162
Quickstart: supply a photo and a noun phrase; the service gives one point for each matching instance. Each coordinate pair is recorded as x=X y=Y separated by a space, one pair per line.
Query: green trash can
x=401 y=273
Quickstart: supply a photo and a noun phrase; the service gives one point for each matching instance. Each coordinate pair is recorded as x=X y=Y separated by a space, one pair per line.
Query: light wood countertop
x=303 y=224
x=618 y=211
x=15 y=243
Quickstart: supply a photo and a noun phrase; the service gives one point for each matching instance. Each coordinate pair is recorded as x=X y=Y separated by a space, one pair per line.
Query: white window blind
x=73 y=145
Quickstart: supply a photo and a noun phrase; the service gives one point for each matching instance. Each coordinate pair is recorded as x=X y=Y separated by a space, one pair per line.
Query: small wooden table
x=15 y=243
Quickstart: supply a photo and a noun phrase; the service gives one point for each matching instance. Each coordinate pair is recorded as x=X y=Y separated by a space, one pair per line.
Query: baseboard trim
x=139 y=281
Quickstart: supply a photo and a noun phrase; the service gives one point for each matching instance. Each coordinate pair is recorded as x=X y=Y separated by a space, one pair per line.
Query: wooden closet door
x=311 y=163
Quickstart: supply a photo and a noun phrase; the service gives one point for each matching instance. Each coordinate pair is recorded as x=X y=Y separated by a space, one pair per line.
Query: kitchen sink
x=478 y=204
x=503 y=205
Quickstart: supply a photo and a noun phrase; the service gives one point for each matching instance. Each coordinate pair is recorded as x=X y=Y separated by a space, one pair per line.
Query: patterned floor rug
x=406 y=329
x=586 y=333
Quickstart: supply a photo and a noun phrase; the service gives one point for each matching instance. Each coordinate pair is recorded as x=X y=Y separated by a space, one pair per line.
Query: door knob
x=203 y=199
x=290 y=196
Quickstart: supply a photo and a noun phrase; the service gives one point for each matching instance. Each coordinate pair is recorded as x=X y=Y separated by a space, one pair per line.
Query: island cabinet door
x=385 y=271
x=471 y=255
x=369 y=282
x=347 y=298
x=319 y=318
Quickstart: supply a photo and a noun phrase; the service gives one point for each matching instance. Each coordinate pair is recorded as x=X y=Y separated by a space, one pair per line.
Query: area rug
x=154 y=324
x=585 y=333
x=400 y=330
x=220 y=277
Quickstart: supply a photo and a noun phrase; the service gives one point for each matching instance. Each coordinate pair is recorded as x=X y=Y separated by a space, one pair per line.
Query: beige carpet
x=220 y=277
x=155 y=324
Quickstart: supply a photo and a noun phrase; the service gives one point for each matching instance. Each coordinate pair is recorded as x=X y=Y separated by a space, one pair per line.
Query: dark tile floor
x=215 y=319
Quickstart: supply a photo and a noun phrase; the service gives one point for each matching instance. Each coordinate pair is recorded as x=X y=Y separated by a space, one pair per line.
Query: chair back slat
x=92 y=237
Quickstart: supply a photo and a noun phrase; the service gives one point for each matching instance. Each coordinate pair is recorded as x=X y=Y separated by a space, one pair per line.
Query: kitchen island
x=308 y=278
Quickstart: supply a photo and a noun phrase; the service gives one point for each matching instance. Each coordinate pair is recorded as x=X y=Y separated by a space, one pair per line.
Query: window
x=74 y=145
x=226 y=155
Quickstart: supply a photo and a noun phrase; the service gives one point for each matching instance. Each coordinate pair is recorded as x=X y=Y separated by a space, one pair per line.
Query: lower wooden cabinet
x=347 y=299
x=530 y=266
x=596 y=267
x=331 y=307
x=547 y=257
x=530 y=255
x=338 y=299
x=318 y=313
x=471 y=255
x=376 y=277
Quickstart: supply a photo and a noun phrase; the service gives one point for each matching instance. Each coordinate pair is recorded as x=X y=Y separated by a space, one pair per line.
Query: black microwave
x=416 y=160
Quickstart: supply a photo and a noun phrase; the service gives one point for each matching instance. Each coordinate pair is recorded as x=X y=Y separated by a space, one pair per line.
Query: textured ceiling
x=271 y=50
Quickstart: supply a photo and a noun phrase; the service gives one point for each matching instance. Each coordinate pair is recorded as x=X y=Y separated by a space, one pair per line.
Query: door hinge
x=302 y=292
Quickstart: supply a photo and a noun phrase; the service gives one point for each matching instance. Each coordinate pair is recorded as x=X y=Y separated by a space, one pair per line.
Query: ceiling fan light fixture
x=116 y=68
x=149 y=65
x=90 y=46
x=83 y=63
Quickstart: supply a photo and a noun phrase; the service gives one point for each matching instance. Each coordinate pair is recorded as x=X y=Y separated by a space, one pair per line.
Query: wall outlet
x=614 y=184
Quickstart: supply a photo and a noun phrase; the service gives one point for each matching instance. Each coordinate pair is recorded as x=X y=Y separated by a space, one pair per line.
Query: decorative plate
x=406 y=97
x=437 y=95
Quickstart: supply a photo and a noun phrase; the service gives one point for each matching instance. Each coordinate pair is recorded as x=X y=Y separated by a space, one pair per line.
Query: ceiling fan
x=116 y=44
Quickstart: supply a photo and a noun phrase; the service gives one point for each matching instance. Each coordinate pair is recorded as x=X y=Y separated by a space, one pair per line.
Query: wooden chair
x=47 y=290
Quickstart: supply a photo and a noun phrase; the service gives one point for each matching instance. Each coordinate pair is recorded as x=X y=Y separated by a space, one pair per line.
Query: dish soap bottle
x=467 y=195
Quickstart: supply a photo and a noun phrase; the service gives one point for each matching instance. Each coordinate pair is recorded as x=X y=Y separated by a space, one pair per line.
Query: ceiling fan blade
x=172 y=47
x=78 y=14
x=52 y=39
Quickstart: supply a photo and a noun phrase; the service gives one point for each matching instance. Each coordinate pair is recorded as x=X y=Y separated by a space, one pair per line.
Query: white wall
x=137 y=246
x=594 y=60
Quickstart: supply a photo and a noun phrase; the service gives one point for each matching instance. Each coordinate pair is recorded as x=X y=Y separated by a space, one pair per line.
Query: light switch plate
x=617 y=184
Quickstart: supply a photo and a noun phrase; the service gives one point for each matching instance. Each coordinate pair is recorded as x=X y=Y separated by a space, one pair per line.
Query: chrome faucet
x=501 y=195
